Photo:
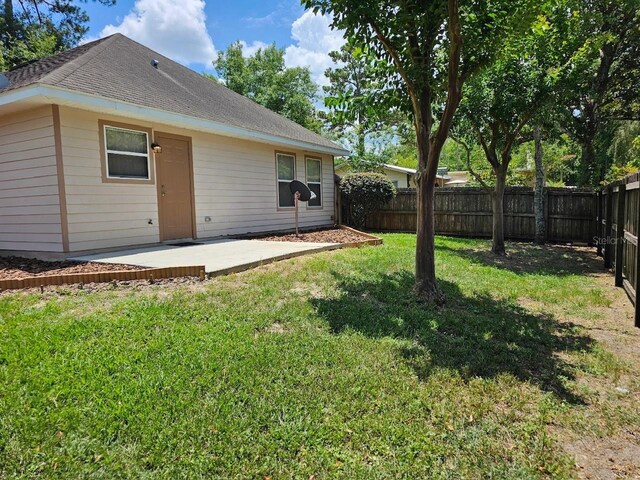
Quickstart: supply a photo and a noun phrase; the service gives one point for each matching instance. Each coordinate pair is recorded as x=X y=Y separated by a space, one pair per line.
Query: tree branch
x=489 y=150
x=467 y=150
x=454 y=82
x=393 y=52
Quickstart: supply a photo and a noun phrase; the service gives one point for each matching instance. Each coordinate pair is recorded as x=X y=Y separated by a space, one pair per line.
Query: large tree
x=264 y=78
x=430 y=47
x=607 y=81
x=38 y=28
x=501 y=101
x=358 y=112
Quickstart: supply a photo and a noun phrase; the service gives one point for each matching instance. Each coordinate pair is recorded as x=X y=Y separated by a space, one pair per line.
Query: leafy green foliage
x=605 y=86
x=39 y=28
x=366 y=193
x=561 y=158
x=264 y=78
x=358 y=111
x=506 y=97
x=501 y=101
x=369 y=162
x=424 y=52
x=624 y=151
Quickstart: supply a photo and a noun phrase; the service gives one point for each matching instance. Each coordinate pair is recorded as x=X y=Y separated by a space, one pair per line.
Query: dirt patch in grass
x=333 y=235
x=607 y=458
x=16 y=268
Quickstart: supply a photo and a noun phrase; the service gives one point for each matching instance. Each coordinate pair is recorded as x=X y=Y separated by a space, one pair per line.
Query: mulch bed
x=333 y=235
x=17 y=268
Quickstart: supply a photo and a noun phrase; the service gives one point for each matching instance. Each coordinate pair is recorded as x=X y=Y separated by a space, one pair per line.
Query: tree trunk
x=497 y=199
x=425 y=238
x=538 y=194
x=361 y=146
x=425 y=286
x=587 y=162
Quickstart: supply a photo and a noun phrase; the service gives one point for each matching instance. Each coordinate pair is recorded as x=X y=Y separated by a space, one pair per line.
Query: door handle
x=162 y=191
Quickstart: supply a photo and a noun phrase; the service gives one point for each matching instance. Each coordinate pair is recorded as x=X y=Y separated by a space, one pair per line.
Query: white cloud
x=175 y=29
x=248 y=50
x=314 y=39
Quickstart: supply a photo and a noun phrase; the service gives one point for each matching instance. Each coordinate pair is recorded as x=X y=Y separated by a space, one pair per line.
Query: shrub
x=365 y=193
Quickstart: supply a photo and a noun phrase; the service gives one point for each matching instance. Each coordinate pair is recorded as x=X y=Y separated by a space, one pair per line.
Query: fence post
x=607 y=227
x=545 y=209
x=619 y=244
x=338 y=194
x=637 y=285
x=599 y=223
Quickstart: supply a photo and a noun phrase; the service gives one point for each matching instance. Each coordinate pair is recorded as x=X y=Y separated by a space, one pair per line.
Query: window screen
x=127 y=153
x=286 y=166
x=314 y=180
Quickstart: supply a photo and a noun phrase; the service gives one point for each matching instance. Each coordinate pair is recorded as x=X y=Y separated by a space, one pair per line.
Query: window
x=126 y=153
x=314 y=180
x=395 y=183
x=286 y=166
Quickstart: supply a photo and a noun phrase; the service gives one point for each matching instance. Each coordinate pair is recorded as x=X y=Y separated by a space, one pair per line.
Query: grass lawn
x=324 y=367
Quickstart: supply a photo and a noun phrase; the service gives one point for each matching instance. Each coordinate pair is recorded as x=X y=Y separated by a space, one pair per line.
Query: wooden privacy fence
x=617 y=237
x=570 y=213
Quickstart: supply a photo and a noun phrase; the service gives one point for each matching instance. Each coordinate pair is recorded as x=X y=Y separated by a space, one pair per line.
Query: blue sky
x=192 y=31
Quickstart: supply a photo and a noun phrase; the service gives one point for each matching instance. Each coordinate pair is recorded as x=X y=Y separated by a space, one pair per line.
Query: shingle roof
x=120 y=69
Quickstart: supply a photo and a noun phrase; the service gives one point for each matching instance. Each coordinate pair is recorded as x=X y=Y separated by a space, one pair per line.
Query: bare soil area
x=17 y=268
x=334 y=235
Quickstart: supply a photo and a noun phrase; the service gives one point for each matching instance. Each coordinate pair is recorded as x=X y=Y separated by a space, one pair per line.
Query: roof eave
x=68 y=97
x=395 y=168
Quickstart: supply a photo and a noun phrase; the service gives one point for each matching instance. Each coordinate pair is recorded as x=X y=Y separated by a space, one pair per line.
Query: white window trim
x=278 y=180
x=133 y=154
x=319 y=160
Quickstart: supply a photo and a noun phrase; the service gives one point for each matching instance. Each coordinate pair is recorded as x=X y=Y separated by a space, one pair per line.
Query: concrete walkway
x=217 y=256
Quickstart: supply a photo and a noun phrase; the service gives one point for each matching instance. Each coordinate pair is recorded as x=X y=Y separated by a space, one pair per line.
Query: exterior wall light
x=156 y=148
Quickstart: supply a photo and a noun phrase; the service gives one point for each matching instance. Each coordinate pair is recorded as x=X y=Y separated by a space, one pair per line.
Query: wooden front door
x=175 y=197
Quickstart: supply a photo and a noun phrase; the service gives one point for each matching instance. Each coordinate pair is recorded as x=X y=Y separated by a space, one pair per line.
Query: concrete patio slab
x=217 y=256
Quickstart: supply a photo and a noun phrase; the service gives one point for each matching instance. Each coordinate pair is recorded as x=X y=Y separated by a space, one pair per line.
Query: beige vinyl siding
x=234 y=184
x=101 y=215
x=399 y=177
x=29 y=197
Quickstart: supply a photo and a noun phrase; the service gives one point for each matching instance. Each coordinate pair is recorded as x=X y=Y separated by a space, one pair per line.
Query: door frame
x=156 y=137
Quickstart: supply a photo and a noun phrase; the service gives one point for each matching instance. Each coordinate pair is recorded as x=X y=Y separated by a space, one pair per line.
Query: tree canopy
x=425 y=51
x=40 y=28
x=264 y=78
x=502 y=101
x=606 y=81
x=358 y=112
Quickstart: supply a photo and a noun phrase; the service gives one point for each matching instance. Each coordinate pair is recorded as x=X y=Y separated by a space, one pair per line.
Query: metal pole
x=296 y=196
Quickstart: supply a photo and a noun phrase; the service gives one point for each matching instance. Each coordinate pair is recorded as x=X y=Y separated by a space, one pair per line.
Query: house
x=401 y=177
x=111 y=145
x=457 y=178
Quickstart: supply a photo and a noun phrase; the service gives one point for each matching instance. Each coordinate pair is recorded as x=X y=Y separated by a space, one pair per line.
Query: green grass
x=324 y=366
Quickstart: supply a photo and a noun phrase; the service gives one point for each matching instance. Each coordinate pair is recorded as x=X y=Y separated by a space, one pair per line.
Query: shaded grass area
x=323 y=366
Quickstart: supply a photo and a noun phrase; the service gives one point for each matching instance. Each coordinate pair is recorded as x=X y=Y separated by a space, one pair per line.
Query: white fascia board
x=66 y=97
x=396 y=168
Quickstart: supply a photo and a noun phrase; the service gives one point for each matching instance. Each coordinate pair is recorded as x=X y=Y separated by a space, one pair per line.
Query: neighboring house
x=401 y=177
x=111 y=144
x=457 y=178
